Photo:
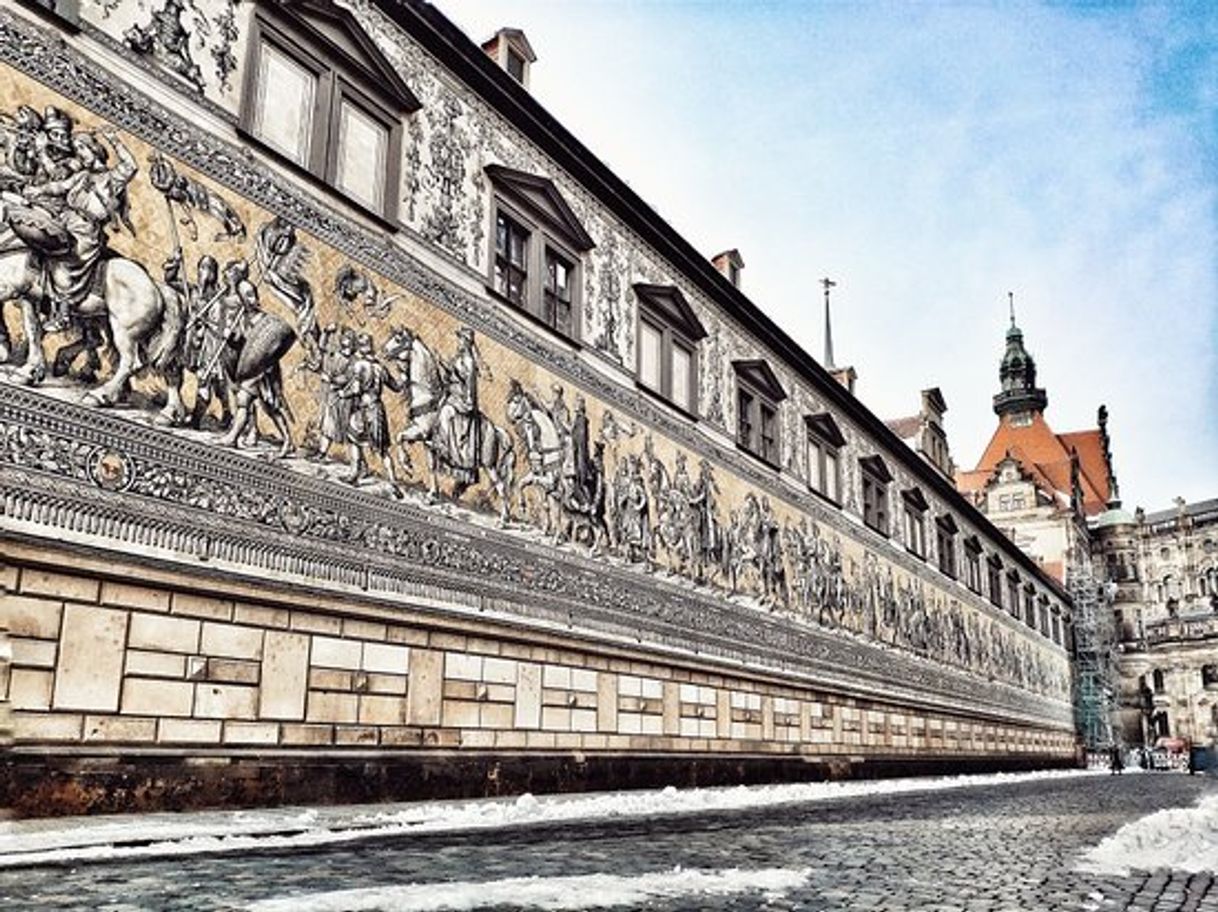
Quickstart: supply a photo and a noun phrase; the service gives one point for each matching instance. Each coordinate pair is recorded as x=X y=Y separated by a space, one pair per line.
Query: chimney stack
x=510 y=49
x=729 y=264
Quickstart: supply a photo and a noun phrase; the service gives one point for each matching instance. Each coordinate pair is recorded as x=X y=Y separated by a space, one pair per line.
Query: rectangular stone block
x=557 y=677
x=26 y=616
x=232 y=671
x=329 y=679
x=32 y=653
x=30 y=688
x=125 y=595
x=352 y=734
x=284 y=673
x=201 y=606
x=402 y=737
x=155 y=664
x=170 y=634
x=188 y=731
x=583 y=720
x=472 y=737
x=386 y=659
x=231 y=642
x=89 y=669
x=59 y=585
x=606 y=702
x=33 y=727
x=150 y=697
x=226 y=701
x=460 y=666
x=499 y=671
x=378 y=710
x=583 y=679
x=119 y=728
x=424 y=689
x=329 y=652
x=251 y=733
x=387 y=684
x=672 y=708
x=767 y=718
x=332 y=707
x=528 y=695
x=555 y=718
x=308 y=734
x=261 y=616
x=363 y=630
x=316 y=623
x=408 y=635
x=497 y=715
x=461 y=714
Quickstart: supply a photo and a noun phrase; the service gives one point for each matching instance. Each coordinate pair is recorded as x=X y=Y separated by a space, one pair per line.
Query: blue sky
x=931 y=157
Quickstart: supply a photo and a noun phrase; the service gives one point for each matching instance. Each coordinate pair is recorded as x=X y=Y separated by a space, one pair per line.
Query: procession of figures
x=64 y=191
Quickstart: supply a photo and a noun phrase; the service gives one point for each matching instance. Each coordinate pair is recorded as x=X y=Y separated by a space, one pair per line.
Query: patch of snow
x=1184 y=839
x=591 y=891
x=70 y=840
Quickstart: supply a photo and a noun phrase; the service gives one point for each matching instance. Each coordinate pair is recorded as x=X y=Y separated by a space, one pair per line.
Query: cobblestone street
x=998 y=849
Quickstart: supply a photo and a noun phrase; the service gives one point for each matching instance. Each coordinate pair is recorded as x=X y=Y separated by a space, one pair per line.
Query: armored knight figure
x=337 y=351
x=459 y=416
x=363 y=387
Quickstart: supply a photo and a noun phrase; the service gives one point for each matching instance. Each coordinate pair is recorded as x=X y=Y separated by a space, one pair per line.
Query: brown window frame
x=945 y=546
x=654 y=304
x=754 y=418
x=825 y=453
x=336 y=82
x=875 y=508
x=994 y=583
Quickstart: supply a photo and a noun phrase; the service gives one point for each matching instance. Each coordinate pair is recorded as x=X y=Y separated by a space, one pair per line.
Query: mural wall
x=136 y=284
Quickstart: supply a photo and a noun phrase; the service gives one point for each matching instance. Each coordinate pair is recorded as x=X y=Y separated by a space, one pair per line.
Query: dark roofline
x=457 y=51
x=1201 y=508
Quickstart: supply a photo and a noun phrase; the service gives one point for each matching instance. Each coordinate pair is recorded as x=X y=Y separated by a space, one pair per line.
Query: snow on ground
x=590 y=891
x=82 y=839
x=1185 y=839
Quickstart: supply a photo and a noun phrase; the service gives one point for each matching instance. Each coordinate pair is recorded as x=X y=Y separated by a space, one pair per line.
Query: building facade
x=1167 y=618
x=357 y=419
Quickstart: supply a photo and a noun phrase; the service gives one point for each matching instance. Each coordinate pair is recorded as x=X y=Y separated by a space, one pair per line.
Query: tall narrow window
x=535 y=257
x=322 y=96
x=875 y=479
x=945 y=544
x=511 y=259
x=556 y=309
x=758 y=393
x=669 y=333
x=972 y=564
x=915 y=522
x=994 y=568
x=825 y=441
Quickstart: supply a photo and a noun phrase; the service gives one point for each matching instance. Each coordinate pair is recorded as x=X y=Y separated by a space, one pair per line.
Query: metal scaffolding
x=1094 y=657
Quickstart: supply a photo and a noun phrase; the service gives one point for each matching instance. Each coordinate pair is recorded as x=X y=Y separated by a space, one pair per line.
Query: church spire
x=1019 y=394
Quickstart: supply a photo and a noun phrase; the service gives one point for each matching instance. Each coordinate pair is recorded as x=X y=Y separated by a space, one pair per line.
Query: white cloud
x=931 y=159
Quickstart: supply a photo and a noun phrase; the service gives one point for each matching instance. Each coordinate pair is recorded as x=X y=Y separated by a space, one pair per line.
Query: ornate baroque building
x=363 y=434
x=1167 y=621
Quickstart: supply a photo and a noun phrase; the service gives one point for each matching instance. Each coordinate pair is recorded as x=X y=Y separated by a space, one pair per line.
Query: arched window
x=1162 y=729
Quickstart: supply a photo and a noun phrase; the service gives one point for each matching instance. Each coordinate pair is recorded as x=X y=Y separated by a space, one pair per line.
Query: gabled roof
x=1045 y=457
x=823 y=425
x=757 y=373
x=915 y=498
x=876 y=465
x=906 y=428
x=672 y=306
x=514 y=37
x=337 y=30
x=541 y=198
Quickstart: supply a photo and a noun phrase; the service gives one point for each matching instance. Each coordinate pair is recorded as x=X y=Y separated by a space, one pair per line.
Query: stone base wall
x=138 y=688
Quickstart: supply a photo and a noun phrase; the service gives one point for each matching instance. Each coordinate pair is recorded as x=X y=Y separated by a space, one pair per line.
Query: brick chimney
x=510 y=49
x=730 y=265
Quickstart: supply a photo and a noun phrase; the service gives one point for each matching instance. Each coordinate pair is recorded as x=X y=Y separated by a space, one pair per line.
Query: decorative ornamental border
x=72 y=472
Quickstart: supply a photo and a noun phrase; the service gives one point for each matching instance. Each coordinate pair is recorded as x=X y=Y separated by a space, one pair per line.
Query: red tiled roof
x=905 y=428
x=1046 y=456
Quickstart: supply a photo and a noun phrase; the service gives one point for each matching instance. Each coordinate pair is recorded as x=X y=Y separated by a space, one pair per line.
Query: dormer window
x=875 y=479
x=945 y=544
x=758 y=393
x=322 y=97
x=825 y=442
x=915 y=521
x=669 y=333
x=972 y=564
x=994 y=568
x=536 y=248
x=515 y=65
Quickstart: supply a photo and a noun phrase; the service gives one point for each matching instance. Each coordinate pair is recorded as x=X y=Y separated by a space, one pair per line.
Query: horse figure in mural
x=675 y=530
x=457 y=437
x=544 y=450
x=57 y=265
